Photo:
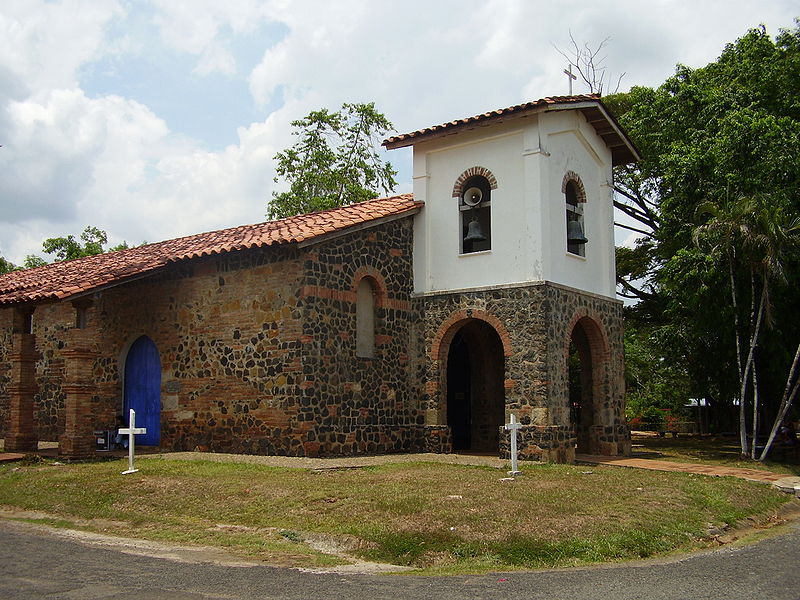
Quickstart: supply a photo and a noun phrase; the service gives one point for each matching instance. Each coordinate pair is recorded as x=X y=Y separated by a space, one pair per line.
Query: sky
x=152 y=119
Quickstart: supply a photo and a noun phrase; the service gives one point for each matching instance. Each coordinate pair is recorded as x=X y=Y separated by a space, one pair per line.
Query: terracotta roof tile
x=62 y=280
x=397 y=141
x=622 y=149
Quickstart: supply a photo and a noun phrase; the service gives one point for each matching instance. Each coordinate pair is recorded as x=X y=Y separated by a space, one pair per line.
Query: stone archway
x=474 y=396
x=585 y=364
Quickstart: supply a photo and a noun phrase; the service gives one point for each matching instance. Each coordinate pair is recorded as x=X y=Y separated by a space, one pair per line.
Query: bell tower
x=514 y=255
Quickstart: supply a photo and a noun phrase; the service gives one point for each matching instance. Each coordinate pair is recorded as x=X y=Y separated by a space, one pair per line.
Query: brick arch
x=574 y=177
x=447 y=330
x=458 y=188
x=595 y=332
x=376 y=280
x=589 y=415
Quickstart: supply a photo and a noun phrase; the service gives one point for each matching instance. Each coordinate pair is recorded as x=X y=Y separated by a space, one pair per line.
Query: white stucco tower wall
x=529 y=156
x=503 y=299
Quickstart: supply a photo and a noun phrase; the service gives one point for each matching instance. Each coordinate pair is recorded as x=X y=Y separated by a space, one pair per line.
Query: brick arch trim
x=458 y=188
x=447 y=330
x=574 y=177
x=376 y=280
x=595 y=333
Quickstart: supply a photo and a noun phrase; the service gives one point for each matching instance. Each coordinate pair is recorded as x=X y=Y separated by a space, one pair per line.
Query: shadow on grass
x=712 y=450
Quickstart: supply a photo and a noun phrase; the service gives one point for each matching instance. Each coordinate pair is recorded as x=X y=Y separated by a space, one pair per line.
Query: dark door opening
x=579 y=368
x=459 y=398
x=475 y=393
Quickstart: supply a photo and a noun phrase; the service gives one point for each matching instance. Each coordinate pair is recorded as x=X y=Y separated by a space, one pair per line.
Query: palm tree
x=789 y=394
x=753 y=232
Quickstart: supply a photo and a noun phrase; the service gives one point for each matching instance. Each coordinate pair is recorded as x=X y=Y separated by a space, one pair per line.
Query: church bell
x=474 y=231
x=574 y=233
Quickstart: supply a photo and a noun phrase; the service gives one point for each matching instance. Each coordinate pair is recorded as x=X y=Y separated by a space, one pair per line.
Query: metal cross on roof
x=571 y=77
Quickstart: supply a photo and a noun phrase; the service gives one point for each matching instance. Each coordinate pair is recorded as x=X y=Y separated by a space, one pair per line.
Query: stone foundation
x=535 y=323
x=548 y=443
x=258 y=355
x=438 y=439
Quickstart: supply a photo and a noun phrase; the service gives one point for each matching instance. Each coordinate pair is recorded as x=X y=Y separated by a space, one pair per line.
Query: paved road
x=38 y=563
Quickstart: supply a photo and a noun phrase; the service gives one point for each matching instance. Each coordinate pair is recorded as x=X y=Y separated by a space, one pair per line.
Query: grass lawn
x=709 y=450
x=438 y=517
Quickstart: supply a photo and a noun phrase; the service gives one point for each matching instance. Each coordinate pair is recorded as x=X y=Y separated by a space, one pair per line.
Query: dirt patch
x=787 y=513
x=184 y=554
x=341 y=546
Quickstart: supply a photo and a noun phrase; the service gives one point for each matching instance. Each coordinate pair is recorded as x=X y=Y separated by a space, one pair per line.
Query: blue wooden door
x=143 y=389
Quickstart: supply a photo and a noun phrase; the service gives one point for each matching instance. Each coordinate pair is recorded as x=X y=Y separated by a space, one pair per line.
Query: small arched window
x=365 y=319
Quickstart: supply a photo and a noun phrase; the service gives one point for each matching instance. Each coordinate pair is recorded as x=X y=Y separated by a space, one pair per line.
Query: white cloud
x=215 y=59
x=45 y=43
x=71 y=160
x=111 y=163
x=205 y=28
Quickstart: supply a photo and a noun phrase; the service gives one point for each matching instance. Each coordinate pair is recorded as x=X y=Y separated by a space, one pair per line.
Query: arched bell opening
x=475 y=395
x=584 y=360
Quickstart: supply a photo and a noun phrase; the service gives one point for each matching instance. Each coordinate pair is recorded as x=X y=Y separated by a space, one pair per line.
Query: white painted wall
x=529 y=158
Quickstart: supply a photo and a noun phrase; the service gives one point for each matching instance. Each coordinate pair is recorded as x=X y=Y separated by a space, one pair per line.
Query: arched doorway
x=143 y=389
x=583 y=376
x=475 y=393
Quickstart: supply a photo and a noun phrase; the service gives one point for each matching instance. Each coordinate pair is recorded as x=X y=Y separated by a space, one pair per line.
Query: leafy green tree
x=790 y=393
x=6 y=266
x=712 y=137
x=32 y=261
x=334 y=162
x=122 y=246
x=91 y=242
x=652 y=380
x=68 y=248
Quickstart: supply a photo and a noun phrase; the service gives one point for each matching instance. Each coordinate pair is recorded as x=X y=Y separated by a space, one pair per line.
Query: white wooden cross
x=513 y=427
x=131 y=430
x=571 y=77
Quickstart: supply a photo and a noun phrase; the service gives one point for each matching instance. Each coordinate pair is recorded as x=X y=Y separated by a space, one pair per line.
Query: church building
x=415 y=323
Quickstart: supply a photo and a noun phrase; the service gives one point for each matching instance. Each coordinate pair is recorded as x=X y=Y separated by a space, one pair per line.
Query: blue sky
x=205 y=106
x=158 y=118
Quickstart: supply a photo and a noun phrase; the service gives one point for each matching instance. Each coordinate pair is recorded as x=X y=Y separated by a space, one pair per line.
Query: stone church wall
x=49 y=324
x=352 y=404
x=534 y=323
x=5 y=367
x=227 y=329
x=258 y=354
x=257 y=350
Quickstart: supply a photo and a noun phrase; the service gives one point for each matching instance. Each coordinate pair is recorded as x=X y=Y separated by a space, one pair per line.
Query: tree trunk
x=755 y=410
x=789 y=394
x=742 y=377
x=754 y=344
x=748 y=365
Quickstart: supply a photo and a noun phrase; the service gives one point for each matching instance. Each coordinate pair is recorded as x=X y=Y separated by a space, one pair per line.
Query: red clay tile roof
x=62 y=280
x=622 y=149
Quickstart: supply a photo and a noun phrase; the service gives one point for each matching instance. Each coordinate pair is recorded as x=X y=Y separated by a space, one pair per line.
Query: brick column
x=22 y=435
x=79 y=355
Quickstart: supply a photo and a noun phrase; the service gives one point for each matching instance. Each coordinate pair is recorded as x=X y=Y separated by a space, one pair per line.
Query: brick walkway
x=786 y=483
x=9 y=456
